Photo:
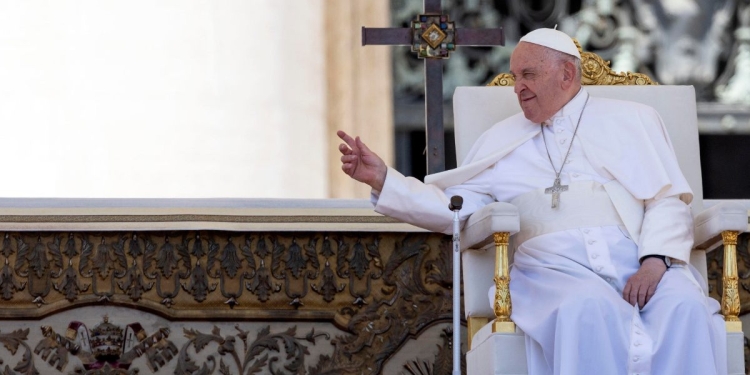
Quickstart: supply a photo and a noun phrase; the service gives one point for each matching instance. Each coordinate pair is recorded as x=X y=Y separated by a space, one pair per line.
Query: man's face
x=539 y=81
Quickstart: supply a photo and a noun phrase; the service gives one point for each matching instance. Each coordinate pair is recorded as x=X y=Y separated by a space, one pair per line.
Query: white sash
x=584 y=204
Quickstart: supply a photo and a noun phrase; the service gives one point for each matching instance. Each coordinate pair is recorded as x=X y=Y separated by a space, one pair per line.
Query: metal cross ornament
x=555 y=190
x=432 y=36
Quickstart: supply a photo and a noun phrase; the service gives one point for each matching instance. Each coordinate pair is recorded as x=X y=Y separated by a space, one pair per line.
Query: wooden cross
x=432 y=36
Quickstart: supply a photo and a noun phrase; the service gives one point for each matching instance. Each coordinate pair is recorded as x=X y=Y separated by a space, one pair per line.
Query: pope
x=601 y=280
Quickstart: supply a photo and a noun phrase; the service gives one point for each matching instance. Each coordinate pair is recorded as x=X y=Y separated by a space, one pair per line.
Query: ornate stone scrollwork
x=12 y=341
x=416 y=294
x=8 y=283
x=245 y=355
x=106 y=349
x=398 y=286
x=441 y=364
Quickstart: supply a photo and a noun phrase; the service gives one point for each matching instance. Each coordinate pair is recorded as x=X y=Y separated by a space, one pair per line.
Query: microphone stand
x=455 y=206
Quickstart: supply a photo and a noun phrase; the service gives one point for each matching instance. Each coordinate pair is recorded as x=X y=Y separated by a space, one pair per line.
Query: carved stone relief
x=110 y=347
x=177 y=274
x=107 y=347
x=417 y=359
x=372 y=294
x=373 y=291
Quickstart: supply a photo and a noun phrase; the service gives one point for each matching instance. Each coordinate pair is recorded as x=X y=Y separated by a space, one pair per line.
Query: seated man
x=600 y=282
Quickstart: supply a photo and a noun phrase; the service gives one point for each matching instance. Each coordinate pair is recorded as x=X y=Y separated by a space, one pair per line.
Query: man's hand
x=642 y=285
x=360 y=163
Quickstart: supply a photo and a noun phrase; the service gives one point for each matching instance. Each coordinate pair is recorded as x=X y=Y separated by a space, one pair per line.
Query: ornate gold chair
x=496 y=345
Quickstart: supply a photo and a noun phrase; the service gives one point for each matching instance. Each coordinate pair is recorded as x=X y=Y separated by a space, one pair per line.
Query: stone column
x=359 y=88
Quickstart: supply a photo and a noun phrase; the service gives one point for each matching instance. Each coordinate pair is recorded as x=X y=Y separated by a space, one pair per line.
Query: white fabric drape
x=577 y=322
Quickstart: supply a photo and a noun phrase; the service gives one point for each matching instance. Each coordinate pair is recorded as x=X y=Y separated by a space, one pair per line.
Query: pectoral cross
x=432 y=36
x=555 y=190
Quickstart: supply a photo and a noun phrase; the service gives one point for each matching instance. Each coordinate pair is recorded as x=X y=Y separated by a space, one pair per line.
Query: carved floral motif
x=12 y=341
x=441 y=364
x=381 y=289
x=409 y=304
x=245 y=356
x=8 y=283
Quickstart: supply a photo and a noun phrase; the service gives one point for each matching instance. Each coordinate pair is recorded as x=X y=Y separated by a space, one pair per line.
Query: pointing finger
x=347 y=138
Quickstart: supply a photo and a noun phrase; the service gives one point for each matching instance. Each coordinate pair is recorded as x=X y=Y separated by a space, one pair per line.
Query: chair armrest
x=722 y=217
x=492 y=218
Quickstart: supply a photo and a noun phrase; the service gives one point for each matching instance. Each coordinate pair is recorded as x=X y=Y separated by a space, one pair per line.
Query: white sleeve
x=667 y=229
x=412 y=201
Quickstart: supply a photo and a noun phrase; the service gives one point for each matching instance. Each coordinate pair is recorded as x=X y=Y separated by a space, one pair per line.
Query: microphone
x=456 y=203
x=455 y=206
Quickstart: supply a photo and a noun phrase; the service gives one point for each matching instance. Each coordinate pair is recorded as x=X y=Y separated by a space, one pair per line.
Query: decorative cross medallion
x=432 y=36
x=555 y=190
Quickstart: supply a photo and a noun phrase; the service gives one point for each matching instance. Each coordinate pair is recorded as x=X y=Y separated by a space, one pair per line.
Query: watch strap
x=662 y=257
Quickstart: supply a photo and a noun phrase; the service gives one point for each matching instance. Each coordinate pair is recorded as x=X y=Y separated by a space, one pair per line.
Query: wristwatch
x=667 y=260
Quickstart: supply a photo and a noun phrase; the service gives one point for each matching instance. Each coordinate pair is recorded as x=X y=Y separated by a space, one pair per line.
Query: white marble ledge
x=53 y=214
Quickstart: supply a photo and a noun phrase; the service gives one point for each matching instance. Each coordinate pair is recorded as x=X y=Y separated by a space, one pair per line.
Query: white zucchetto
x=554 y=39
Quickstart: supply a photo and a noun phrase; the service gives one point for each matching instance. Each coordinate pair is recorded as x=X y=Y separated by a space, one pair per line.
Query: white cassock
x=627 y=199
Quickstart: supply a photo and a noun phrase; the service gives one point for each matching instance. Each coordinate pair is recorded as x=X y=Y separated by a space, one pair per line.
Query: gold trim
x=502 y=79
x=595 y=71
x=473 y=325
x=436 y=42
x=70 y=334
x=503 y=327
x=730 y=299
x=730 y=237
x=503 y=305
